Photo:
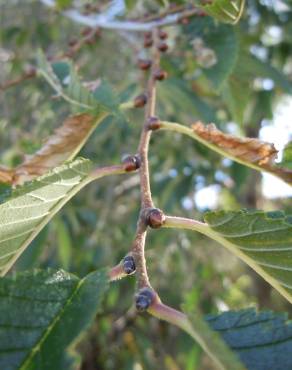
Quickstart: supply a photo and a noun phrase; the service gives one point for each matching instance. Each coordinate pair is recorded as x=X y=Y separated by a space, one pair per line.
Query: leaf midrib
x=51 y=326
x=52 y=211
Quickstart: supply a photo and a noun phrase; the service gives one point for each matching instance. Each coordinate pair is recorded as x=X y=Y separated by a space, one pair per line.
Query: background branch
x=109 y=23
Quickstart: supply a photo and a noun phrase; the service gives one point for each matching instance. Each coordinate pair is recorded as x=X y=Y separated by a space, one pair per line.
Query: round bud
x=162 y=46
x=201 y=13
x=184 y=21
x=144 y=298
x=30 y=71
x=144 y=64
x=162 y=35
x=131 y=163
x=97 y=32
x=72 y=42
x=86 y=31
x=129 y=265
x=148 y=42
x=87 y=6
x=154 y=218
x=89 y=40
x=153 y=123
x=140 y=101
x=148 y=35
x=160 y=75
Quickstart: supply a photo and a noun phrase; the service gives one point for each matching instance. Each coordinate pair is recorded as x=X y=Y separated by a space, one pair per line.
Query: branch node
x=160 y=75
x=140 y=101
x=154 y=217
x=153 y=123
x=145 y=298
x=144 y=64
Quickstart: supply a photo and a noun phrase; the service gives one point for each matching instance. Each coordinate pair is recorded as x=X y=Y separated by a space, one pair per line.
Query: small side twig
x=30 y=73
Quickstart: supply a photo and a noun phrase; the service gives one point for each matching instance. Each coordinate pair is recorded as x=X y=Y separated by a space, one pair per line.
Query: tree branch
x=103 y=22
x=138 y=247
x=146 y=200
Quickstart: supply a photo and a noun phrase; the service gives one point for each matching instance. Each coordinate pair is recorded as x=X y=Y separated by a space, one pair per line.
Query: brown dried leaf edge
x=63 y=145
x=249 y=151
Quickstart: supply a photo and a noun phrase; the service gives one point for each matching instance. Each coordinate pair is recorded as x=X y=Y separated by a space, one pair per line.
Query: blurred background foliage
x=233 y=76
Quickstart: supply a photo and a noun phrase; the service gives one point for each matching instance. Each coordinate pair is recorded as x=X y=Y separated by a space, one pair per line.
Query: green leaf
x=63 y=4
x=287 y=156
x=210 y=341
x=42 y=313
x=32 y=206
x=257 y=68
x=68 y=87
x=227 y=11
x=262 y=240
x=223 y=41
x=64 y=79
x=220 y=38
x=180 y=97
x=105 y=95
x=262 y=340
x=130 y=4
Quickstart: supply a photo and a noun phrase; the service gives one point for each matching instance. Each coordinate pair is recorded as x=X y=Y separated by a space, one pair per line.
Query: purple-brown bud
x=144 y=64
x=162 y=46
x=131 y=163
x=153 y=123
x=154 y=218
x=148 y=42
x=140 y=101
x=129 y=265
x=144 y=299
x=160 y=75
x=72 y=42
x=162 y=35
x=86 y=31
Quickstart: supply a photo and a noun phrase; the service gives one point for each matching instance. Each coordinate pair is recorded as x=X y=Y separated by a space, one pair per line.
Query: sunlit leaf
x=227 y=11
x=42 y=313
x=32 y=206
x=262 y=240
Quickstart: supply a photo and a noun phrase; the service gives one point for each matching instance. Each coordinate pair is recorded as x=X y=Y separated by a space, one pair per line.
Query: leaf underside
x=263 y=341
x=262 y=240
x=31 y=207
x=41 y=313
